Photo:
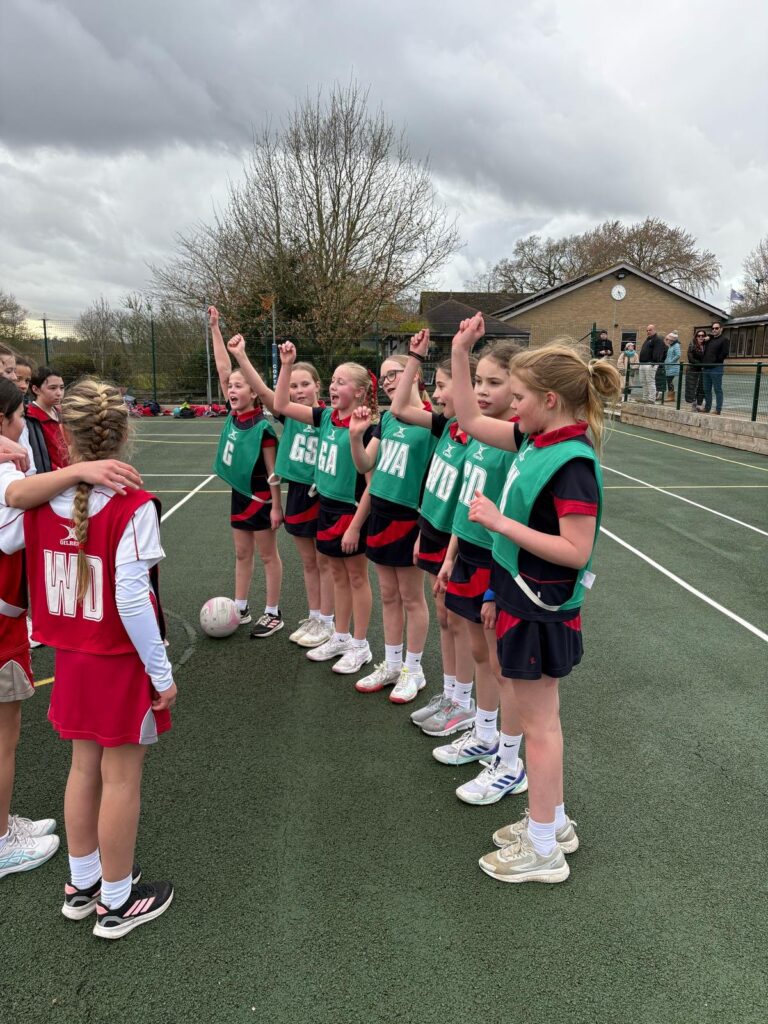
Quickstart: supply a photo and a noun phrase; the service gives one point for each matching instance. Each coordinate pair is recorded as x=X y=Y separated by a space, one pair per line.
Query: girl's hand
x=275 y=517
x=118 y=476
x=350 y=540
x=361 y=418
x=236 y=346
x=416 y=549
x=420 y=343
x=10 y=451
x=488 y=615
x=213 y=316
x=165 y=700
x=287 y=353
x=469 y=333
x=443 y=576
x=483 y=511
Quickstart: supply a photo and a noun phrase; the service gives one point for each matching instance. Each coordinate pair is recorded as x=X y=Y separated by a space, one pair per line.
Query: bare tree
x=755 y=287
x=98 y=327
x=652 y=245
x=333 y=217
x=13 y=320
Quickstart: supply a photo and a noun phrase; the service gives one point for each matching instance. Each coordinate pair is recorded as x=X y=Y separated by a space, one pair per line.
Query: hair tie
x=374 y=381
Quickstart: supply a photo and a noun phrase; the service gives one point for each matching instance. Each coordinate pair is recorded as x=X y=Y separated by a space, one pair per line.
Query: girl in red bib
x=344 y=506
x=544 y=530
x=91 y=560
x=48 y=389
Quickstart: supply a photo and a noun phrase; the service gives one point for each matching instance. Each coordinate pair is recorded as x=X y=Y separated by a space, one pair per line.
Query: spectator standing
x=672 y=363
x=715 y=354
x=628 y=361
x=604 y=346
x=652 y=355
x=694 y=384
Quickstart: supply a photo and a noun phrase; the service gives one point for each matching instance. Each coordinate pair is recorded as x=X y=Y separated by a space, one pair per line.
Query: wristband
x=489 y=595
x=415 y=355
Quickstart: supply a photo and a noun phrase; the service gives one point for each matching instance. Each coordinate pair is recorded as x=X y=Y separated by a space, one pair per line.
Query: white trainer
x=316 y=633
x=408 y=686
x=301 y=629
x=35 y=829
x=378 y=679
x=22 y=852
x=330 y=649
x=353 y=660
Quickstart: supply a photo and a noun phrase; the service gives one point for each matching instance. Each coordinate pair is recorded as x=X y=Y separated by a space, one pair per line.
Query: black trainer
x=79 y=903
x=145 y=903
x=266 y=625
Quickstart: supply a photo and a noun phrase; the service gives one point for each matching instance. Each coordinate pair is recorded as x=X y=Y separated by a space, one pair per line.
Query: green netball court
x=325 y=872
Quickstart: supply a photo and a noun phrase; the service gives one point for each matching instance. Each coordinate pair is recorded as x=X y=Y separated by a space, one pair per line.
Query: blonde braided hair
x=96 y=419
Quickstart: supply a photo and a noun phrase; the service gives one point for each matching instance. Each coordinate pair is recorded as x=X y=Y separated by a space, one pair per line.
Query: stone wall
x=725 y=430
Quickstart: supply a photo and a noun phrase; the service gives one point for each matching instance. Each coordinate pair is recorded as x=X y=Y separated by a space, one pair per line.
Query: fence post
x=154 y=360
x=680 y=385
x=756 y=394
x=627 y=385
x=45 y=340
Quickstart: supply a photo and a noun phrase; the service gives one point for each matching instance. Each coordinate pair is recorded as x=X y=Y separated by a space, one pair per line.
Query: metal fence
x=744 y=389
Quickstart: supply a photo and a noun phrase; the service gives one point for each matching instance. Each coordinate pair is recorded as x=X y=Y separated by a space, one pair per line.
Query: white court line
x=623 y=432
x=185 y=499
x=671 y=494
x=687 y=586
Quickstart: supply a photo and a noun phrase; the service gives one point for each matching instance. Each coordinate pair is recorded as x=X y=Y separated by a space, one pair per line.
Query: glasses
x=701 y=335
x=391 y=375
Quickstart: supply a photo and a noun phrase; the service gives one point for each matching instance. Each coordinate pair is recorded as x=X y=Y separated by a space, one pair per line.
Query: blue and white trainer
x=495 y=781
x=23 y=852
x=36 y=829
x=466 y=748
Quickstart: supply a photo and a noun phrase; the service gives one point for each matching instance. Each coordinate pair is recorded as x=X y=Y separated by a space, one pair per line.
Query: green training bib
x=239 y=452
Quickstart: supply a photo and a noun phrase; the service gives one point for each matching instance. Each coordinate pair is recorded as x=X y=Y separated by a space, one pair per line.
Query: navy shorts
x=333 y=521
x=466 y=588
x=433 y=545
x=391 y=538
x=250 y=513
x=302 y=510
x=530 y=650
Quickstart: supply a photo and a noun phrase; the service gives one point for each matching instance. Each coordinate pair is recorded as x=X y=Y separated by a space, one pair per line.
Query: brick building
x=621 y=300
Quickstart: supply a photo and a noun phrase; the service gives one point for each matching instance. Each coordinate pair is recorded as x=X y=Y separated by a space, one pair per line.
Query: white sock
x=314 y=613
x=509 y=748
x=241 y=603
x=542 y=835
x=449 y=682
x=4 y=839
x=341 y=637
x=326 y=619
x=359 y=644
x=485 y=725
x=393 y=655
x=413 y=661
x=85 y=871
x=114 y=894
x=462 y=694
x=560 y=817
x=271 y=609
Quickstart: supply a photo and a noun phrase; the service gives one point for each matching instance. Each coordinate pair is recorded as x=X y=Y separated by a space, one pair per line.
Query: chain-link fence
x=739 y=390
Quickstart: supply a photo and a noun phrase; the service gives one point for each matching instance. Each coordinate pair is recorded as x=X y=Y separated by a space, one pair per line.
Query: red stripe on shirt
x=395 y=531
x=476 y=585
x=251 y=509
x=436 y=556
x=569 y=507
x=338 y=529
x=306 y=516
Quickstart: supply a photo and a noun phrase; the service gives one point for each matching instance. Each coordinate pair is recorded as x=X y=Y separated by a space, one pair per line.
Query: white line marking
x=671 y=494
x=623 y=432
x=687 y=586
x=169 y=513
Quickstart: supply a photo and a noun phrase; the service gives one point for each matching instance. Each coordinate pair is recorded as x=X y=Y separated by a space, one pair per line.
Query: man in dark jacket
x=604 y=346
x=652 y=354
x=715 y=353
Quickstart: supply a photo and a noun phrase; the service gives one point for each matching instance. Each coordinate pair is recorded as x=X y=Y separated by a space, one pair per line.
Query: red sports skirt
x=106 y=698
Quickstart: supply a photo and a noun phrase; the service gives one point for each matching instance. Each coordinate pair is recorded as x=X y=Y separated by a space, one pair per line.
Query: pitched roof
x=547 y=294
x=444 y=319
x=483 y=302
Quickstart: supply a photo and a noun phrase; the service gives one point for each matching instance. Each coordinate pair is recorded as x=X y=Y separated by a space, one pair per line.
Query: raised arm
x=42 y=487
x=236 y=346
x=363 y=456
x=283 y=406
x=220 y=354
x=401 y=400
x=484 y=428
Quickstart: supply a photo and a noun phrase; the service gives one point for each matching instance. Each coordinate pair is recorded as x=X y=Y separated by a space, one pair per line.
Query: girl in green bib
x=245 y=460
x=397 y=456
x=296 y=458
x=344 y=506
x=544 y=528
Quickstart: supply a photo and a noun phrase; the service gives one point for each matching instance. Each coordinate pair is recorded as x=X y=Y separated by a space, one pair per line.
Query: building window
x=628 y=336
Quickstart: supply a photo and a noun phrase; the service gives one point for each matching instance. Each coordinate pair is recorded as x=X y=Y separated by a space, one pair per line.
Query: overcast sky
x=121 y=122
